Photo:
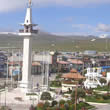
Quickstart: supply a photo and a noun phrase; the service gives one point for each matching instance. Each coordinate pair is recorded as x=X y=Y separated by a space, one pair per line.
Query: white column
x=27 y=61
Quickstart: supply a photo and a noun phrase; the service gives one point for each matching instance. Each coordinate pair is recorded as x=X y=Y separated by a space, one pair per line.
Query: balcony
x=33 y=31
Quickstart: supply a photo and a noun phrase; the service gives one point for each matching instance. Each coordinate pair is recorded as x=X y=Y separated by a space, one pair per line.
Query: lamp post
x=5 y=92
x=7 y=65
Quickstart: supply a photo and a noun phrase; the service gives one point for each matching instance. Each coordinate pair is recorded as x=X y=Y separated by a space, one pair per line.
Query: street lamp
x=7 y=65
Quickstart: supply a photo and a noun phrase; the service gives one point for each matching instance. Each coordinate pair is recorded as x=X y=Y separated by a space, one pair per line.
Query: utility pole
x=5 y=93
x=76 y=90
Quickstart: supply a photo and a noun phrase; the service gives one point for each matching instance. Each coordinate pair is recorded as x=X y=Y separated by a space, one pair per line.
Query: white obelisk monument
x=27 y=33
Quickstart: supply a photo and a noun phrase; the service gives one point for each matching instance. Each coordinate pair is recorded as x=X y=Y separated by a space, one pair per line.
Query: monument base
x=25 y=87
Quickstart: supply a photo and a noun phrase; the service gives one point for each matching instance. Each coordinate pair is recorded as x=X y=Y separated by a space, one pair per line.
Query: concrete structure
x=69 y=80
x=108 y=77
x=27 y=32
x=93 y=76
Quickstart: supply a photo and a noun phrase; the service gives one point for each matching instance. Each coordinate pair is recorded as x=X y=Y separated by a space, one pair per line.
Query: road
x=101 y=106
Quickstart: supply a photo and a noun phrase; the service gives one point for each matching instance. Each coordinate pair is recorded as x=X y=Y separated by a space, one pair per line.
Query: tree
x=40 y=106
x=80 y=94
x=54 y=103
x=103 y=81
x=58 y=76
x=46 y=96
x=108 y=87
x=66 y=105
x=62 y=102
x=46 y=105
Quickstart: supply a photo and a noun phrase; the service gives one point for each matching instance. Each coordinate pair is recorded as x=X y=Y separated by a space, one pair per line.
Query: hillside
x=44 y=41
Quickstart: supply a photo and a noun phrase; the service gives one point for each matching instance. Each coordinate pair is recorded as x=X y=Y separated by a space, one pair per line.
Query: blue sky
x=65 y=17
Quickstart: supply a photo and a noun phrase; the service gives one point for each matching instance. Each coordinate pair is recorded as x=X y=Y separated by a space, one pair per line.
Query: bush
x=70 y=102
x=54 y=103
x=83 y=105
x=104 y=88
x=40 y=106
x=66 y=105
x=58 y=76
x=62 y=102
x=46 y=105
x=80 y=94
x=102 y=80
x=55 y=84
x=46 y=96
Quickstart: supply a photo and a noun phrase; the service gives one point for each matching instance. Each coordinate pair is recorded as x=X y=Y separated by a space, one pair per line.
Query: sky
x=62 y=17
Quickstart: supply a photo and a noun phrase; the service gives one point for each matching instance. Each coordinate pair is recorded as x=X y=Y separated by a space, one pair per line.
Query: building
x=77 y=64
x=90 y=52
x=69 y=81
x=63 y=66
x=3 y=64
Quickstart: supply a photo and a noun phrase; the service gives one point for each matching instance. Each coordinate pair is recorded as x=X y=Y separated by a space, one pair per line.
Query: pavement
x=101 y=106
x=8 y=98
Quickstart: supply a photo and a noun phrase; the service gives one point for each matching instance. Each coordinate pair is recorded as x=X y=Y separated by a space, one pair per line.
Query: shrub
x=55 y=84
x=80 y=94
x=70 y=102
x=58 y=76
x=40 y=106
x=66 y=105
x=46 y=96
x=102 y=80
x=62 y=102
x=46 y=105
x=54 y=103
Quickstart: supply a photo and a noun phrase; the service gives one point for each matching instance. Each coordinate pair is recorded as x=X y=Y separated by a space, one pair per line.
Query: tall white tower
x=27 y=33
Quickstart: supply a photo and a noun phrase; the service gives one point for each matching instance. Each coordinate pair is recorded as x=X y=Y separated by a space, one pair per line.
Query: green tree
x=80 y=94
x=46 y=96
x=66 y=105
x=54 y=103
x=58 y=76
x=103 y=81
x=62 y=102
x=108 y=87
x=46 y=105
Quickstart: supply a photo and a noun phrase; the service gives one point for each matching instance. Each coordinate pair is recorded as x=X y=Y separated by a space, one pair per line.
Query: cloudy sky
x=87 y=17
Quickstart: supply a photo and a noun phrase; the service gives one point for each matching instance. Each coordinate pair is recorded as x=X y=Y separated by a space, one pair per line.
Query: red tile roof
x=73 y=76
x=63 y=62
x=75 y=61
x=36 y=64
x=73 y=71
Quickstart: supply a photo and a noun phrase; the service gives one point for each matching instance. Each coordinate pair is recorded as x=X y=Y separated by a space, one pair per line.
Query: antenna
x=30 y=2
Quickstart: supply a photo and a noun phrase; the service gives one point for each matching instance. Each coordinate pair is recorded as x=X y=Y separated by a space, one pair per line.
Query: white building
x=93 y=76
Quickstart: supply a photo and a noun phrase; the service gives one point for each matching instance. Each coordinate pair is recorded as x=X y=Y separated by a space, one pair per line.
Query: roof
x=73 y=71
x=62 y=62
x=75 y=61
x=36 y=64
x=20 y=63
x=73 y=76
x=13 y=63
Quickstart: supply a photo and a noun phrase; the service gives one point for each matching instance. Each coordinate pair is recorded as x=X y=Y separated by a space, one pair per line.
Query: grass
x=104 y=88
x=98 y=99
x=86 y=105
x=63 y=44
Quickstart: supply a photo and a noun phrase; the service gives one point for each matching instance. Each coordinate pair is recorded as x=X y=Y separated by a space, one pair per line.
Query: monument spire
x=28 y=32
x=30 y=3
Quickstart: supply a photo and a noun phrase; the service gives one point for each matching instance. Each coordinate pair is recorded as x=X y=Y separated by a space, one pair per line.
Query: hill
x=47 y=41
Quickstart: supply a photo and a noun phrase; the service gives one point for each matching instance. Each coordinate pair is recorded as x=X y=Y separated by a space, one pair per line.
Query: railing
x=33 y=31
